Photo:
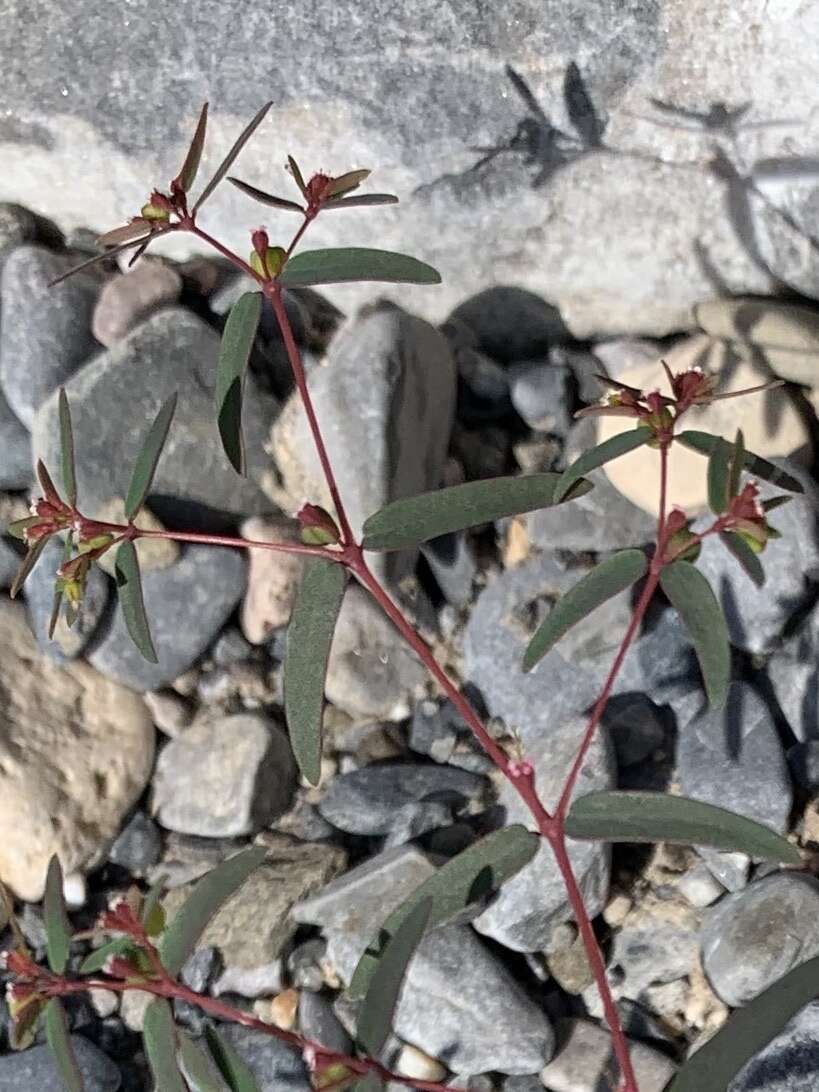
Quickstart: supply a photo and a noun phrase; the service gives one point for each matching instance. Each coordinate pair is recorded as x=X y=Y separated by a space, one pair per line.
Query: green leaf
x=152 y=914
x=119 y=946
x=142 y=475
x=309 y=637
x=737 y=463
x=718 y=475
x=660 y=817
x=201 y=1072
x=237 y=1073
x=57 y=925
x=266 y=198
x=227 y=162
x=360 y=200
x=745 y=556
x=417 y=519
x=376 y=1012
x=160 y=1035
x=335 y=265
x=606 y=580
x=211 y=892
x=704 y=443
x=297 y=175
x=775 y=502
x=67 y=450
x=56 y=602
x=27 y=564
x=747 y=1032
x=59 y=1041
x=371 y=1083
x=234 y=353
x=692 y=597
x=474 y=874
x=129 y=586
x=187 y=175
x=610 y=449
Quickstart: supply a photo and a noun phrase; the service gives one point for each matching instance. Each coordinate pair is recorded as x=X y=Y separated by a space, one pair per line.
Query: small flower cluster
x=746 y=517
x=25 y=995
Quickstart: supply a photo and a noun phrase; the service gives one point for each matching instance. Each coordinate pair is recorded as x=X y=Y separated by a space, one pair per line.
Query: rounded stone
x=76 y=751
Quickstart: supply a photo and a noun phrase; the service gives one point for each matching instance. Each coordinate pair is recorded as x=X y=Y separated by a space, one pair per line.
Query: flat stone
x=768 y=323
x=38 y=357
x=790 y=1061
x=23 y=1071
x=276 y=1066
x=733 y=758
x=251 y=928
x=769 y=421
x=173 y=351
x=224 y=777
x=273 y=578
x=186 y=606
x=753 y=938
x=369 y=800
x=125 y=299
x=530 y=904
x=510 y=324
x=77 y=751
x=585 y=1062
x=403 y=413
x=67 y=643
x=371 y=671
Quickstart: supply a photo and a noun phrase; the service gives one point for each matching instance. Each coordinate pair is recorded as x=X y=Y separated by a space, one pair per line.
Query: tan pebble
x=414 y=1063
x=617 y=910
x=169 y=711
x=280 y=1011
x=273 y=578
x=517 y=546
x=104 y=1002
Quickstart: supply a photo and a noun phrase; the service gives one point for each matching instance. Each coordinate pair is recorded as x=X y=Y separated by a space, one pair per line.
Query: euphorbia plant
x=143 y=952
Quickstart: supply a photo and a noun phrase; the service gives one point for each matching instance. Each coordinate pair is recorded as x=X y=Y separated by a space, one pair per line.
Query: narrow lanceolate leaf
x=228 y=161
x=610 y=449
x=606 y=580
x=28 y=563
x=160 y=1037
x=297 y=175
x=417 y=519
x=187 y=175
x=129 y=587
x=97 y=959
x=57 y=925
x=339 y=264
x=745 y=556
x=59 y=1041
x=142 y=475
x=580 y=108
x=201 y=1072
x=747 y=1032
x=211 y=892
x=237 y=1073
x=309 y=637
x=692 y=597
x=376 y=1013
x=704 y=443
x=737 y=463
x=719 y=470
x=346 y=182
x=266 y=198
x=660 y=817
x=360 y=200
x=234 y=353
x=57 y=601
x=67 y=450
x=470 y=877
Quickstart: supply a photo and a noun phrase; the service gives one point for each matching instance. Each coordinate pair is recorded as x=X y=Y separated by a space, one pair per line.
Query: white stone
x=273 y=578
x=414 y=1063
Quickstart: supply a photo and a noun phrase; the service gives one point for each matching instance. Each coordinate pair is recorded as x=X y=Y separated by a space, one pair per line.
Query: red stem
x=238 y=543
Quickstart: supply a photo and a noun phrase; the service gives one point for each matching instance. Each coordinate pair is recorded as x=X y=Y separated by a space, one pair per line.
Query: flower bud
x=268 y=264
x=157 y=208
x=318 y=528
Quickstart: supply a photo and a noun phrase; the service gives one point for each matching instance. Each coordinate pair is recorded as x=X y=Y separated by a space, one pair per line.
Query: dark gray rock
x=542 y=394
x=36 y=1069
x=393 y=374
x=452 y=562
x=116 y=396
x=19 y=225
x=36 y=357
x=276 y=1066
x=367 y=801
x=530 y=904
x=794 y=677
x=790 y=1061
x=224 y=777
x=435 y=728
x=10 y=561
x=231 y=648
x=15 y=443
x=803 y=760
x=635 y=726
x=511 y=324
x=201 y=968
x=757 y=617
x=319 y=1023
x=751 y=939
x=413 y=820
x=733 y=758
x=39 y=588
x=483 y=388
x=138 y=845
x=186 y=604
x=304 y=964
